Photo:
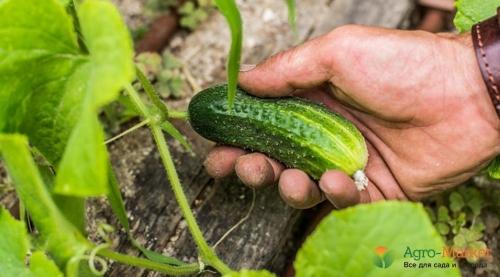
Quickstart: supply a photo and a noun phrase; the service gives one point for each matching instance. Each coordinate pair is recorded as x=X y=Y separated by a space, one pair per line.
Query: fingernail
x=246 y=67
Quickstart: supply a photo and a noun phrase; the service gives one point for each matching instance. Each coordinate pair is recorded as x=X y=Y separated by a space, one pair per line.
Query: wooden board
x=270 y=235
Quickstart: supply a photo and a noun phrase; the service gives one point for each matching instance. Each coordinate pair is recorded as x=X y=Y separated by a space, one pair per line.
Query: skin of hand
x=417 y=97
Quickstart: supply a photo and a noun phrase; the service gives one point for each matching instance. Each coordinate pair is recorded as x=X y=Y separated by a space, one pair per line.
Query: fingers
x=339 y=189
x=257 y=170
x=304 y=66
x=254 y=170
x=221 y=160
x=298 y=190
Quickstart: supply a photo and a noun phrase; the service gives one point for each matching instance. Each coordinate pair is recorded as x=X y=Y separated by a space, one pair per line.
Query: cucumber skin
x=299 y=133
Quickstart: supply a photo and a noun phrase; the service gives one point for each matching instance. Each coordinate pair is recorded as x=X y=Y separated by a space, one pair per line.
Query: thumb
x=302 y=67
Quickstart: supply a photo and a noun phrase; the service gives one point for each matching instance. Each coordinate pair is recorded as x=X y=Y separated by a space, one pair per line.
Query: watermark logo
x=382 y=257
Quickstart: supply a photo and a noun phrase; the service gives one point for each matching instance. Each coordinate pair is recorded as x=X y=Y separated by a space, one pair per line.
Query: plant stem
x=177 y=114
x=207 y=253
x=151 y=92
x=145 y=263
x=137 y=101
x=130 y=130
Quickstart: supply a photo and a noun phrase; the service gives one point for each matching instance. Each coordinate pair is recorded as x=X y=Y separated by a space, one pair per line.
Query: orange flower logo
x=383 y=257
x=380 y=250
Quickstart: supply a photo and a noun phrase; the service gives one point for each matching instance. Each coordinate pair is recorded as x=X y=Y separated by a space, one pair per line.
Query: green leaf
x=14 y=247
x=344 y=243
x=476 y=245
x=470 y=235
x=459 y=241
x=61 y=239
x=152 y=94
x=149 y=63
x=170 y=61
x=187 y=8
x=82 y=171
x=118 y=206
x=157 y=257
x=430 y=213
x=63 y=87
x=443 y=214
x=458 y=222
x=41 y=266
x=230 y=11
x=476 y=204
x=170 y=129
x=83 y=167
x=494 y=168
x=116 y=201
x=73 y=209
x=292 y=15
x=478 y=225
x=456 y=202
x=470 y=12
x=250 y=273
x=443 y=228
x=188 y=22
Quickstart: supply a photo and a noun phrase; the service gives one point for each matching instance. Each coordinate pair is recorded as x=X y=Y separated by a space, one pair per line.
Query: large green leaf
x=52 y=90
x=60 y=238
x=470 y=12
x=14 y=247
x=371 y=240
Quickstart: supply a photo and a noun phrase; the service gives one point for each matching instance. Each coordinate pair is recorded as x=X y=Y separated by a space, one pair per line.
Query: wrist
x=486 y=42
x=480 y=97
x=475 y=100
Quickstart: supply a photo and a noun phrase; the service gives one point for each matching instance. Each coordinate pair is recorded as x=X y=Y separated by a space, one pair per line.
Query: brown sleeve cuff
x=486 y=39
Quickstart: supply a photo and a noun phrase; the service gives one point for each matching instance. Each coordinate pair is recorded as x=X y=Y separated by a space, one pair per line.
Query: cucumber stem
x=207 y=253
x=178 y=114
x=171 y=270
x=360 y=180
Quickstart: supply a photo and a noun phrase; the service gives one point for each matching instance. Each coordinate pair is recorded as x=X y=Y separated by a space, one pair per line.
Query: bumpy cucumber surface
x=299 y=133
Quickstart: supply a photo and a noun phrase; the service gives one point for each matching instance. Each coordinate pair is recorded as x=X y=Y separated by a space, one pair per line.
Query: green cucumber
x=299 y=133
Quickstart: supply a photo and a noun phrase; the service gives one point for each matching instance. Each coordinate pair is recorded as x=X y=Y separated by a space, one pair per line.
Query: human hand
x=418 y=98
